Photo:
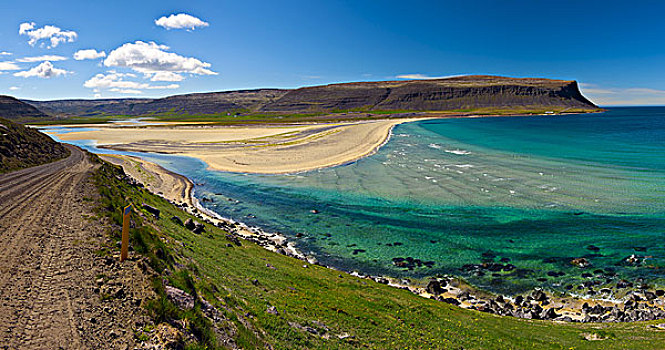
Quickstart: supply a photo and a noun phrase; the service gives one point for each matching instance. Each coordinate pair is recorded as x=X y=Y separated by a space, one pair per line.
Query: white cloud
x=97 y=95
x=8 y=65
x=52 y=58
x=166 y=76
x=116 y=82
x=43 y=70
x=180 y=21
x=418 y=76
x=88 y=54
x=623 y=96
x=127 y=91
x=150 y=58
x=5 y=53
x=51 y=33
x=14 y=88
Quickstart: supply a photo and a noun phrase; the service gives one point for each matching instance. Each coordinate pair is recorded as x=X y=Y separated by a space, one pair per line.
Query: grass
x=246 y=117
x=320 y=308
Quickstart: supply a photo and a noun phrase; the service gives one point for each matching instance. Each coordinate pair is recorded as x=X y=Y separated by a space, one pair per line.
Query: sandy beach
x=265 y=149
x=174 y=187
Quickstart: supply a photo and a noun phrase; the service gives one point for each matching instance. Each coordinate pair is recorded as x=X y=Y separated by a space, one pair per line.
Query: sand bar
x=265 y=149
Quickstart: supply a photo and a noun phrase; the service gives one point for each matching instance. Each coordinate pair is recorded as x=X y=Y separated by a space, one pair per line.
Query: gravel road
x=55 y=291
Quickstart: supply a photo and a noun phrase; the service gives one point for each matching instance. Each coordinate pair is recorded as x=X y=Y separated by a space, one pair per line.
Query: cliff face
x=468 y=92
x=436 y=95
x=14 y=109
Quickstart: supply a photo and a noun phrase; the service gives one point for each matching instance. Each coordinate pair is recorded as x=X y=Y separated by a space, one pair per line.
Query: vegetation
x=22 y=147
x=267 y=298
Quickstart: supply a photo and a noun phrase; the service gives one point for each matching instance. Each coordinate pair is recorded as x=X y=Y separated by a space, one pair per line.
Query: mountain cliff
x=450 y=94
x=469 y=92
x=11 y=108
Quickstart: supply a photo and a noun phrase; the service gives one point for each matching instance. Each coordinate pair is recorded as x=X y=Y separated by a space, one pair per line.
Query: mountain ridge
x=456 y=93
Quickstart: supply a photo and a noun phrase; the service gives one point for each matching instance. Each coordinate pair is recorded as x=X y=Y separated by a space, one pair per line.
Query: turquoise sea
x=521 y=195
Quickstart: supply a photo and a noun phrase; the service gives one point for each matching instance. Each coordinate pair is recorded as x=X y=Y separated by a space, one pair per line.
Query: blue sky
x=614 y=49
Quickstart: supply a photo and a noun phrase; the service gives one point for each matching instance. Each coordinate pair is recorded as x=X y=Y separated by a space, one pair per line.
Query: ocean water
x=525 y=195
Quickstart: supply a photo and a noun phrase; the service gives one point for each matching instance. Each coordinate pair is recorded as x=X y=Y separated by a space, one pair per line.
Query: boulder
x=152 y=210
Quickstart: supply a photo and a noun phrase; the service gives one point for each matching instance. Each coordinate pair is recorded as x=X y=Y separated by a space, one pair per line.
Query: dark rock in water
x=640 y=249
x=488 y=254
x=177 y=220
x=587 y=275
x=436 y=287
x=397 y=244
x=505 y=260
x=511 y=241
x=429 y=264
x=550 y=260
x=593 y=248
x=541 y=279
x=433 y=241
x=624 y=284
x=356 y=251
x=580 y=262
x=152 y=210
x=660 y=292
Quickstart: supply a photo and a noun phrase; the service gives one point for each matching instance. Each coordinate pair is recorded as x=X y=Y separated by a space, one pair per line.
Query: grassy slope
x=375 y=315
x=336 y=116
x=22 y=147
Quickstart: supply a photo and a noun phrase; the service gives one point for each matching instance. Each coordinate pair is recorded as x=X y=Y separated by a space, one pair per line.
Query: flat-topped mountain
x=449 y=94
x=467 y=92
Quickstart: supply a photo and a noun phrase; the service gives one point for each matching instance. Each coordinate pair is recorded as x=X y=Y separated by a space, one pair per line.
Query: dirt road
x=55 y=291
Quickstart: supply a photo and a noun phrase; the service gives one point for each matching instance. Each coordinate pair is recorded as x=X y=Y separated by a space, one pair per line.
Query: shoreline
x=624 y=304
x=267 y=149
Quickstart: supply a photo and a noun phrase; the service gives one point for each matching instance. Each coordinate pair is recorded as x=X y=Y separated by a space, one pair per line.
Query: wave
x=457 y=151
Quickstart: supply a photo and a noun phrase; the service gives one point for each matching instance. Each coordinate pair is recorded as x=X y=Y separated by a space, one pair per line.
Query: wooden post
x=125 y=232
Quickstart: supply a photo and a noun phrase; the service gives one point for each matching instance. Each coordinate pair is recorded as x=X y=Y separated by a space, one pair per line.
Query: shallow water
x=452 y=192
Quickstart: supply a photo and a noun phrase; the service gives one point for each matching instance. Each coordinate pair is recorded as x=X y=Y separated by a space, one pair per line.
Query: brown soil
x=55 y=291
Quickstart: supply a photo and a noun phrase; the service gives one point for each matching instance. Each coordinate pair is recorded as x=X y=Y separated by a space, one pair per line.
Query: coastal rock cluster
x=636 y=305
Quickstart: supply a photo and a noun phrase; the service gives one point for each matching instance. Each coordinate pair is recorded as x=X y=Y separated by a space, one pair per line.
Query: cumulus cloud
x=180 y=21
x=51 y=33
x=43 y=70
x=166 y=76
x=88 y=54
x=8 y=65
x=116 y=82
x=14 y=88
x=418 y=76
x=5 y=53
x=52 y=58
x=151 y=58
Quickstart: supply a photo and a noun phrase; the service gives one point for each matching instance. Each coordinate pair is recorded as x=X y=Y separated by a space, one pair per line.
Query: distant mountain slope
x=13 y=109
x=467 y=92
x=22 y=147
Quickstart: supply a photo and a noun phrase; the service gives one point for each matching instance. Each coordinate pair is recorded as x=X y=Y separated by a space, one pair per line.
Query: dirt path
x=51 y=284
